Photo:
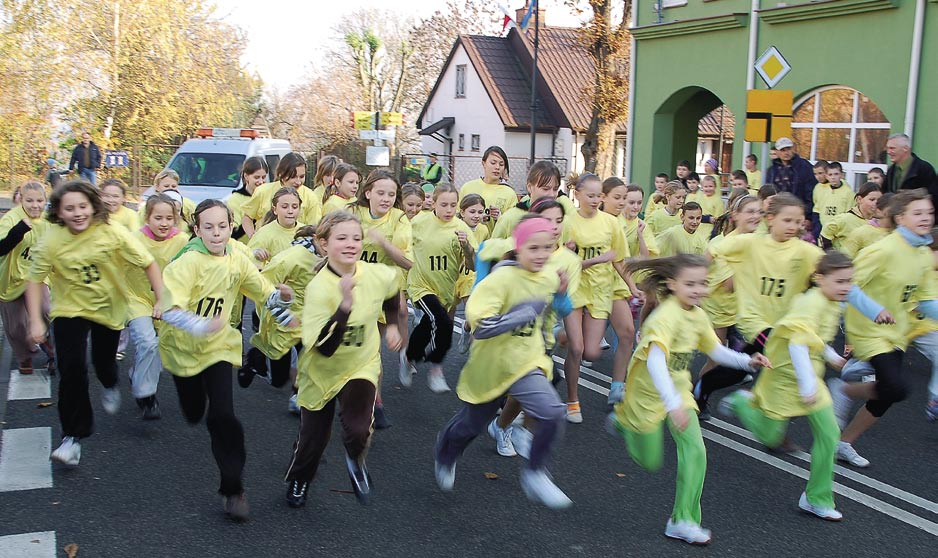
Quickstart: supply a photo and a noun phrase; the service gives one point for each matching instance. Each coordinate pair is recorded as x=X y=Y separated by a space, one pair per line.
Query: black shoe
x=246 y=376
x=151 y=411
x=381 y=418
x=296 y=493
x=361 y=480
x=704 y=414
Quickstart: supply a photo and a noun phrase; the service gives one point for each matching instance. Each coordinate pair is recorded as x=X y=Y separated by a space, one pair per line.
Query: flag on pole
x=507 y=21
x=527 y=15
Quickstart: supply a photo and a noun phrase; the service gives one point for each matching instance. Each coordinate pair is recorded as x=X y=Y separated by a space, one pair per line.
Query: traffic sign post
x=769 y=113
x=116 y=159
x=369 y=125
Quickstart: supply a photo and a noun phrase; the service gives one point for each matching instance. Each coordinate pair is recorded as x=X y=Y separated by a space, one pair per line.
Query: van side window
x=272 y=162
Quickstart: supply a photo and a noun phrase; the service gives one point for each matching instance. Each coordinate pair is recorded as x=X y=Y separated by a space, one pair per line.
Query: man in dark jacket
x=907 y=171
x=86 y=158
x=790 y=173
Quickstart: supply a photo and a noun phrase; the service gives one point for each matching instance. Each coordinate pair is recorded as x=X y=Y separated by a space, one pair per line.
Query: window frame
x=475 y=143
x=461 y=71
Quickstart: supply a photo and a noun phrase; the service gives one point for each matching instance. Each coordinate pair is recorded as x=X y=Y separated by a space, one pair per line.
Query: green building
x=860 y=71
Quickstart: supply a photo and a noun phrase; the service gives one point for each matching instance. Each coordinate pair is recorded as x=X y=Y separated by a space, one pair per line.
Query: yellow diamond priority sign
x=772 y=66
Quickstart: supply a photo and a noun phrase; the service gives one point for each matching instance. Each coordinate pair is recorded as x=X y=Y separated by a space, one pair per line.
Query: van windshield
x=208 y=169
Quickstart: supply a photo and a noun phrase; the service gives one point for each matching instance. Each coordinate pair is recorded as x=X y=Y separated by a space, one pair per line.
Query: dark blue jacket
x=78 y=157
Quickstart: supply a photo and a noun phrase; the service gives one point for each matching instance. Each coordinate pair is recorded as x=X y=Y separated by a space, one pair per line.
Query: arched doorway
x=839 y=123
x=715 y=138
x=676 y=127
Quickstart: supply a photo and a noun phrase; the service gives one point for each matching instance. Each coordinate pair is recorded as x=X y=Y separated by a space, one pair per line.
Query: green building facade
x=861 y=70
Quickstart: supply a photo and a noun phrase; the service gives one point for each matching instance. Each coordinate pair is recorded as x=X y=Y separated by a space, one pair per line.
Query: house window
x=475 y=142
x=462 y=142
x=461 y=81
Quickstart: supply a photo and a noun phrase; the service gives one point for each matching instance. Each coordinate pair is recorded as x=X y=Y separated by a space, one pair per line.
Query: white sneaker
x=586 y=363
x=111 y=400
x=406 y=373
x=727 y=404
x=603 y=344
x=574 y=414
x=521 y=439
x=842 y=402
x=293 y=406
x=616 y=394
x=688 y=532
x=437 y=384
x=845 y=452
x=540 y=488
x=69 y=453
x=828 y=514
x=445 y=476
x=502 y=437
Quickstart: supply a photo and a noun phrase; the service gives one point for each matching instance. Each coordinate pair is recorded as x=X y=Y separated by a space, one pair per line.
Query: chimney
x=541 y=14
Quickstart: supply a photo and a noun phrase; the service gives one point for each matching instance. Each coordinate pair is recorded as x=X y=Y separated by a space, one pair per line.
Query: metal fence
x=459 y=169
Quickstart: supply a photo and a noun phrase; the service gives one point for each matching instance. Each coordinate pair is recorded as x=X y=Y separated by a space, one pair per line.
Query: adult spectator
x=432 y=172
x=791 y=173
x=86 y=159
x=907 y=171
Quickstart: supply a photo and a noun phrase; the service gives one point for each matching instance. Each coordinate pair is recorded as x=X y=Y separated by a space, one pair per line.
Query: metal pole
x=534 y=83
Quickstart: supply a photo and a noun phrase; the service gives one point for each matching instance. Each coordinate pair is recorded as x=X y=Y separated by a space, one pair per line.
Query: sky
x=286 y=38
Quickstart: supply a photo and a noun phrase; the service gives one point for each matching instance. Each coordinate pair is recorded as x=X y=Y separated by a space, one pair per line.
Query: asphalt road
x=148 y=488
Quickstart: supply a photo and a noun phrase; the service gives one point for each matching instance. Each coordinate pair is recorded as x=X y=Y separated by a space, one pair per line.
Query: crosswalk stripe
x=28 y=545
x=24 y=459
x=30 y=386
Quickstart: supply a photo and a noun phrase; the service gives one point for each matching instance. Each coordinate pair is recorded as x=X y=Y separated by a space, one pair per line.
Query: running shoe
x=445 y=476
x=521 y=439
x=68 y=453
x=842 y=402
x=119 y=356
x=111 y=400
x=26 y=367
x=502 y=437
x=361 y=480
x=727 y=406
x=465 y=339
x=540 y=488
x=406 y=373
x=381 y=418
x=296 y=493
x=437 y=383
x=150 y=407
x=603 y=344
x=616 y=393
x=827 y=514
x=931 y=410
x=845 y=452
x=586 y=363
x=293 y=406
x=246 y=376
x=236 y=507
x=688 y=532
x=574 y=415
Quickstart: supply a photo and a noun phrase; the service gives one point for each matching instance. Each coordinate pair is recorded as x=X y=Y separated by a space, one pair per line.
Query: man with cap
x=432 y=172
x=907 y=171
x=790 y=173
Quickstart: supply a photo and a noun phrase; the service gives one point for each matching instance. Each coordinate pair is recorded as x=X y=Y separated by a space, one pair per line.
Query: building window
x=475 y=142
x=462 y=142
x=461 y=81
x=841 y=124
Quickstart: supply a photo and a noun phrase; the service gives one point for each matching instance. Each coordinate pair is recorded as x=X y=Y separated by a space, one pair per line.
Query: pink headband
x=529 y=227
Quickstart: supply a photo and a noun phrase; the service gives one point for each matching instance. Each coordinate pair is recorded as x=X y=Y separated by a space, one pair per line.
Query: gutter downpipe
x=914 y=68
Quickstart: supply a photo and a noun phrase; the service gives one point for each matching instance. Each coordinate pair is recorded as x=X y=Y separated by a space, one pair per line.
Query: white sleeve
x=831 y=355
x=729 y=357
x=804 y=370
x=658 y=370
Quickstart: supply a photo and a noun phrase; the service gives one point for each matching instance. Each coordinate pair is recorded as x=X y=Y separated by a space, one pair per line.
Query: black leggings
x=432 y=337
x=720 y=376
x=71 y=347
x=214 y=385
x=279 y=368
x=891 y=387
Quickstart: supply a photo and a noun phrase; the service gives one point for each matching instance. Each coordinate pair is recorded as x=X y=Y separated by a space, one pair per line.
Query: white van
x=209 y=165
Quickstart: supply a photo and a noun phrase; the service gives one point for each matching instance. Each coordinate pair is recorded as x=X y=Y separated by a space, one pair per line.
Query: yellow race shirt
x=830 y=202
x=235 y=203
x=897 y=275
x=840 y=227
x=467 y=277
x=87 y=270
x=336 y=203
x=766 y=276
x=498 y=362
x=294 y=267
x=919 y=324
x=711 y=205
x=630 y=228
x=654 y=206
x=861 y=237
x=678 y=333
x=594 y=236
x=395 y=227
x=813 y=321
x=188 y=210
x=358 y=357
x=677 y=240
x=259 y=203
x=438 y=257
x=273 y=237
x=661 y=220
x=720 y=304
x=509 y=220
x=501 y=196
x=126 y=217
x=140 y=299
x=14 y=265
x=755 y=179
x=207 y=285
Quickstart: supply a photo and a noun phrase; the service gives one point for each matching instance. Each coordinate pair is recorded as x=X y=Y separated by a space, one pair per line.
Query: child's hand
x=885 y=317
x=347 y=285
x=564 y=281
x=286 y=293
x=679 y=418
x=809 y=399
x=494 y=212
x=641 y=227
x=463 y=238
x=261 y=254
x=759 y=361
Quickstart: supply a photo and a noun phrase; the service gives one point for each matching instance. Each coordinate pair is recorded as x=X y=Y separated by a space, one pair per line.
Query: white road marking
x=28 y=545
x=31 y=386
x=24 y=459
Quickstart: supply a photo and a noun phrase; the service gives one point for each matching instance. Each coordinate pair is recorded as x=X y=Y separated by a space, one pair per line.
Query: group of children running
x=331 y=269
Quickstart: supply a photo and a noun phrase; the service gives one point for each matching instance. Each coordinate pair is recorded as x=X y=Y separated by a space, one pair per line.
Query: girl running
x=498 y=197
x=199 y=350
x=84 y=259
x=875 y=229
x=254 y=172
x=168 y=180
x=114 y=194
x=441 y=245
x=798 y=347
x=685 y=238
x=341 y=359
x=20 y=231
x=641 y=239
x=543 y=181
x=668 y=216
x=291 y=172
x=508 y=358
x=343 y=190
x=279 y=227
x=711 y=203
x=472 y=211
x=601 y=245
x=658 y=199
x=411 y=200
x=162 y=239
x=837 y=229
x=659 y=383
x=325 y=175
